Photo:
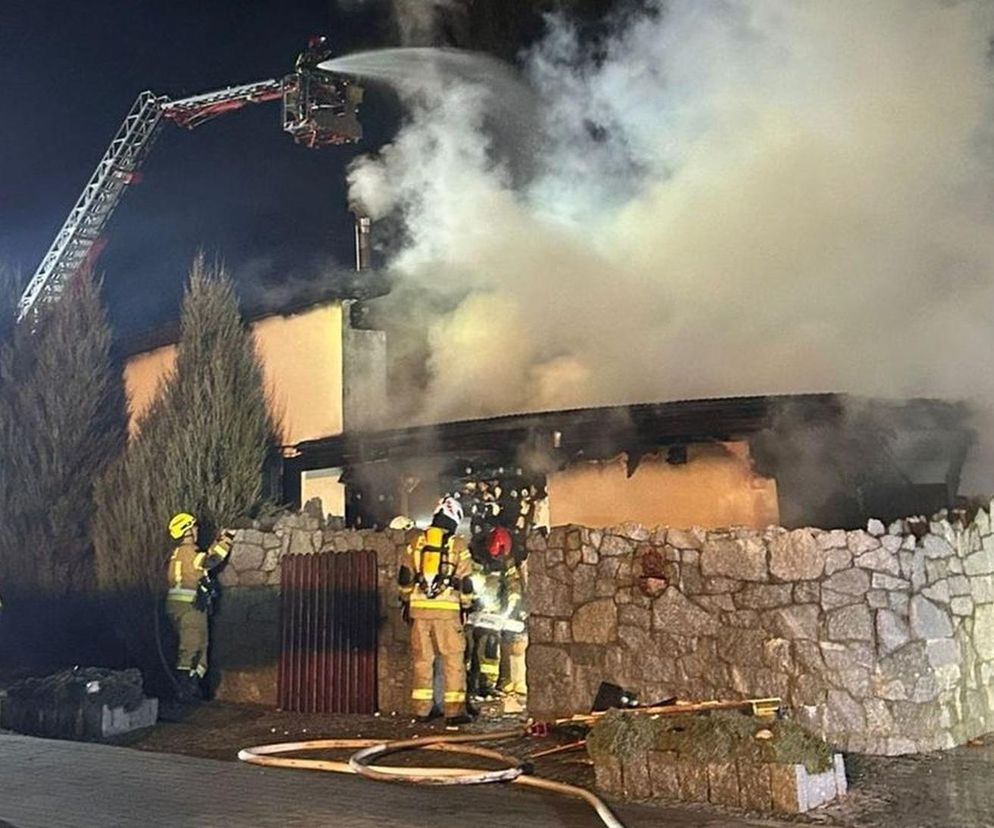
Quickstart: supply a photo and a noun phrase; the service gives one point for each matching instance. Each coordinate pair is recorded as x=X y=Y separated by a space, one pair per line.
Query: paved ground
x=73 y=785
x=44 y=783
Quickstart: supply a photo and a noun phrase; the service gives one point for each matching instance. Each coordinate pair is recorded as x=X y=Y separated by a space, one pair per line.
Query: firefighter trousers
x=512 y=663
x=191 y=630
x=442 y=637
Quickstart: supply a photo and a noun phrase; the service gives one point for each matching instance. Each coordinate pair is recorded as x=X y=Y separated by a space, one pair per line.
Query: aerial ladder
x=320 y=108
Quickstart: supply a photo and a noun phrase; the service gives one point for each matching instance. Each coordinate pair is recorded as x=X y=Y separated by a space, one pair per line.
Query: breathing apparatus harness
x=444 y=577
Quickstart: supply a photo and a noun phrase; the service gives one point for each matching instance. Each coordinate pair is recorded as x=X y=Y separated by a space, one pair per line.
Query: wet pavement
x=953 y=789
x=48 y=783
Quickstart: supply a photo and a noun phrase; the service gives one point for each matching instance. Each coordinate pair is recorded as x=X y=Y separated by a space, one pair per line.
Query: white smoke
x=738 y=197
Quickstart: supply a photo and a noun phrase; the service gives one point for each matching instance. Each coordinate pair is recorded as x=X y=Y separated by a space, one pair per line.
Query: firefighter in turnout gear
x=497 y=638
x=190 y=596
x=436 y=592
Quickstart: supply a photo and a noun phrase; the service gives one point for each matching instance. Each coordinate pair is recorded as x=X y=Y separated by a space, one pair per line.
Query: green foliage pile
x=714 y=738
x=202 y=447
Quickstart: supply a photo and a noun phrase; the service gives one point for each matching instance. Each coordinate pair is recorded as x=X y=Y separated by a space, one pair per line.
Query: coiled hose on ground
x=514 y=772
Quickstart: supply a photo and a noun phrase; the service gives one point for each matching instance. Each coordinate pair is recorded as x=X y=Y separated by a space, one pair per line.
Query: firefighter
x=497 y=662
x=190 y=596
x=435 y=592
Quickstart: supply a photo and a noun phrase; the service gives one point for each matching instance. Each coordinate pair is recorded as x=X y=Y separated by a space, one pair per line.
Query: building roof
x=606 y=431
x=277 y=300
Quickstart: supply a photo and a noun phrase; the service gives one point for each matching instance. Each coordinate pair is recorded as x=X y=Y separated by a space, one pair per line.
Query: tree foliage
x=62 y=420
x=202 y=447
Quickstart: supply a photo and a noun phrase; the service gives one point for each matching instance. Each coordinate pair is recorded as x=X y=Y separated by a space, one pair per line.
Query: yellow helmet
x=181 y=524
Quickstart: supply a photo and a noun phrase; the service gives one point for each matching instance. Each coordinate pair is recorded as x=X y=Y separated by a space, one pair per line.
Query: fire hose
x=514 y=772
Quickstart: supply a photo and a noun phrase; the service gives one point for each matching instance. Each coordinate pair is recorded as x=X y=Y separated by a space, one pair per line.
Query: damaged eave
x=576 y=434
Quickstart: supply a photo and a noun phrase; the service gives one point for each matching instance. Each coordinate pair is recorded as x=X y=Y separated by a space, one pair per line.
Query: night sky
x=237 y=186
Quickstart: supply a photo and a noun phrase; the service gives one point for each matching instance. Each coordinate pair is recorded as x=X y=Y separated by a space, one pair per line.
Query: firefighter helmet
x=181 y=524
x=499 y=543
x=448 y=514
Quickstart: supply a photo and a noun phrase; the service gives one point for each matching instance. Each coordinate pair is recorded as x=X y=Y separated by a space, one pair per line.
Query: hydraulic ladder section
x=87 y=218
x=329 y=119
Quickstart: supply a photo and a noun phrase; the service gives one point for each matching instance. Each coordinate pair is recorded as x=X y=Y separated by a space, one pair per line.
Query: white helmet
x=449 y=507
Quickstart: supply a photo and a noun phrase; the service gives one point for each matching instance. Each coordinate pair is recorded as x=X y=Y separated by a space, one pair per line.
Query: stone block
x=936 y=547
x=839 y=770
x=672 y=612
x=830 y=599
x=614 y=546
x=244 y=557
x=561 y=632
x=762 y=596
x=982 y=590
x=875 y=527
x=787 y=789
x=692 y=778
x=607 y=775
x=754 y=787
x=983 y=632
x=850 y=623
x=799 y=621
x=892 y=631
x=881 y=581
x=744 y=560
x=877 y=599
x=692 y=538
x=635 y=777
x=892 y=543
x=807 y=592
x=539 y=629
x=928 y=620
x=962 y=605
x=859 y=542
x=848 y=581
x=837 y=559
x=596 y=622
x=879 y=560
x=634 y=616
x=723 y=784
x=796 y=556
x=663 y=779
x=116 y=720
x=835 y=539
x=980 y=563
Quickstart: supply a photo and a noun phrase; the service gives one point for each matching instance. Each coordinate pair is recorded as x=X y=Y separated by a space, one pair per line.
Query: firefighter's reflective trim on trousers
x=491 y=669
x=199 y=671
x=179 y=594
x=434 y=603
x=454 y=696
x=422 y=694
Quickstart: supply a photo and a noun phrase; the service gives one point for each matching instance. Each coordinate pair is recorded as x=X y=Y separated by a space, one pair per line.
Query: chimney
x=362 y=249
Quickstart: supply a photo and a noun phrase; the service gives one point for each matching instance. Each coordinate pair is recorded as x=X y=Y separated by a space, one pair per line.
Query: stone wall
x=880 y=640
x=245 y=646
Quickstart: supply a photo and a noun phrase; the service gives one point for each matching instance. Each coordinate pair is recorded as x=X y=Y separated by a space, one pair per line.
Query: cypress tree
x=62 y=420
x=202 y=447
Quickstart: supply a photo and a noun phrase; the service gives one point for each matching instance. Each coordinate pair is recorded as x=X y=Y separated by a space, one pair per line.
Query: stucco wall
x=880 y=640
x=715 y=487
x=302 y=364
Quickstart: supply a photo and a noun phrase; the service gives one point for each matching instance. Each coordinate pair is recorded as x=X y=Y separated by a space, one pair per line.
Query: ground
x=951 y=789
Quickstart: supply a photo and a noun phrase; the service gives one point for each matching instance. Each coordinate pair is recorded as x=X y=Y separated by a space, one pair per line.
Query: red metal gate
x=329 y=620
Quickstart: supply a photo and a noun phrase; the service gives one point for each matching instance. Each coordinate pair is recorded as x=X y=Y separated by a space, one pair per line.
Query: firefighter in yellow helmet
x=190 y=597
x=436 y=592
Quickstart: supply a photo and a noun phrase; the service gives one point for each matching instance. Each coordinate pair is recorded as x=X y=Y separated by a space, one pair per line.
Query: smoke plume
x=727 y=197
